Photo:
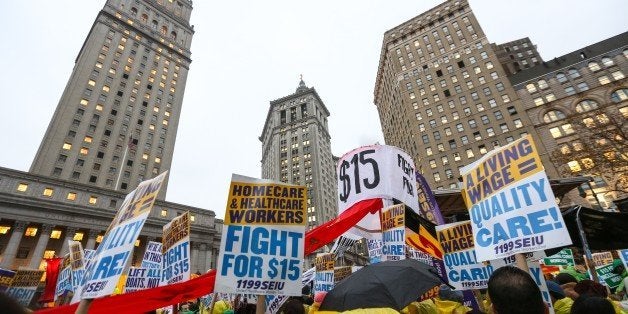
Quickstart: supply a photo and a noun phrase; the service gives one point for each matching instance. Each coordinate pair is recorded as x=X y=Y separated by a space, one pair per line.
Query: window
x=48 y=192
x=594 y=66
x=477 y=136
x=538 y=101
x=542 y=84
x=582 y=86
x=464 y=139
x=586 y=105
x=573 y=73
x=67 y=146
x=531 y=88
x=562 y=130
x=71 y=196
x=472 y=123
x=553 y=115
x=617 y=75
x=84 y=150
x=93 y=199
x=485 y=119
x=561 y=77
x=490 y=132
x=55 y=234
x=569 y=90
x=518 y=123
x=603 y=79
x=619 y=95
x=503 y=127
x=432 y=163
x=470 y=153
x=607 y=61
x=22 y=187
x=30 y=232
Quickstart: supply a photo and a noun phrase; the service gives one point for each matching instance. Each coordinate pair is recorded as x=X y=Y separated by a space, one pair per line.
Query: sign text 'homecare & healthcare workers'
x=511 y=204
x=263 y=238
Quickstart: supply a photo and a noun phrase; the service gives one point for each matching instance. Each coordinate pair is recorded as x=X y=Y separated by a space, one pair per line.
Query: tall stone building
x=114 y=126
x=296 y=149
x=442 y=94
x=116 y=122
x=578 y=104
x=517 y=55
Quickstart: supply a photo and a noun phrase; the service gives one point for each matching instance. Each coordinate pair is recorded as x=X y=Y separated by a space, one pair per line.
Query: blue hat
x=555 y=289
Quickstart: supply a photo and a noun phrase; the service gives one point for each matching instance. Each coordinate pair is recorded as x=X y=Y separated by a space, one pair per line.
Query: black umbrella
x=393 y=284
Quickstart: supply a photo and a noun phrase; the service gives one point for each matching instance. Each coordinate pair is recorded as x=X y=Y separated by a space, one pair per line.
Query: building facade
x=116 y=122
x=443 y=96
x=296 y=149
x=114 y=126
x=517 y=55
x=578 y=104
x=39 y=214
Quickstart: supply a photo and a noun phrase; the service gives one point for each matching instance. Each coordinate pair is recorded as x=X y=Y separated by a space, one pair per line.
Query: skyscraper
x=442 y=94
x=116 y=122
x=296 y=149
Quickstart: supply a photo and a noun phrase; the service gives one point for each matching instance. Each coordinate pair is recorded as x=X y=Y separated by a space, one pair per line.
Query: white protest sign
x=152 y=255
x=602 y=258
x=511 y=204
x=324 y=279
x=114 y=252
x=375 y=250
x=562 y=258
x=371 y=172
x=464 y=271
x=176 y=244
x=24 y=285
x=140 y=278
x=64 y=280
x=88 y=257
x=263 y=238
x=393 y=233
x=77 y=264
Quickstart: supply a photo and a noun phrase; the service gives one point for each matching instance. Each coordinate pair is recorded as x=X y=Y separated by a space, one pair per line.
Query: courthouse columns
x=69 y=235
x=8 y=256
x=91 y=240
x=40 y=247
x=194 y=262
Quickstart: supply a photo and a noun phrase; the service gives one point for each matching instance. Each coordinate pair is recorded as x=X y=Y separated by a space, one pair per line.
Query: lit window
x=99 y=107
x=91 y=82
x=137 y=242
x=574 y=166
x=538 y=101
x=99 y=238
x=78 y=236
x=71 y=196
x=145 y=156
x=67 y=146
x=105 y=88
x=93 y=199
x=55 y=234
x=30 y=232
x=165 y=122
x=550 y=97
x=84 y=150
x=167 y=113
x=88 y=139
x=619 y=95
x=157 y=159
x=603 y=79
x=607 y=61
x=4 y=229
x=84 y=102
x=48 y=192
x=22 y=187
x=586 y=105
x=617 y=75
x=164 y=212
x=594 y=66
x=192 y=218
x=531 y=88
x=553 y=115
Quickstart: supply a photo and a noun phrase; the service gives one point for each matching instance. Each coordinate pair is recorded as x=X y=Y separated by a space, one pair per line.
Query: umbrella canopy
x=393 y=284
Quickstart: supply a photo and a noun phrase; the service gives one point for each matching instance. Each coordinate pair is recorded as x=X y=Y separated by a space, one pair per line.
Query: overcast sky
x=247 y=53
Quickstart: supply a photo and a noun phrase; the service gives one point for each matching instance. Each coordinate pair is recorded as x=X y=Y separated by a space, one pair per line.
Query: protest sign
x=114 y=252
x=263 y=238
x=510 y=260
x=393 y=232
x=64 y=281
x=176 y=246
x=88 y=257
x=429 y=260
x=23 y=285
x=152 y=255
x=341 y=273
x=424 y=241
x=76 y=264
x=623 y=255
x=140 y=278
x=308 y=276
x=511 y=204
x=605 y=273
x=5 y=279
x=427 y=203
x=377 y=171
x=274 y=302
x=461 y=264
x=343 y=243
x=324 y=280
x=375 y=250
x=562 y=258
x=602 y=258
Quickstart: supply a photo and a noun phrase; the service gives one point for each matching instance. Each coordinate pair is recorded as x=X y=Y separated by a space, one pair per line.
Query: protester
x=587 y=304
x=9 y=305
x=561 y=303
x=513 y=291
x=292 y=306
x=450 y=301
x=221 y=307
x=590 y=287
x=619 y=269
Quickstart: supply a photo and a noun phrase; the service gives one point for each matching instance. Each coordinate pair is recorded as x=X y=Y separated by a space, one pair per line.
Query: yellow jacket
x=450 y=307
x=563 y=306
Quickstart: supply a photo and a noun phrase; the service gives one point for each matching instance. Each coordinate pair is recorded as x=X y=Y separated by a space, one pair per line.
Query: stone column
x=69 y=235
x=8 y=256
x=203 y=263
x=194 y=263
x=91 y=240
x=40 y=247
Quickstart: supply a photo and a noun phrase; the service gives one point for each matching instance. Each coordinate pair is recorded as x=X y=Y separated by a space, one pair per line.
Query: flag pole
x=126 y=151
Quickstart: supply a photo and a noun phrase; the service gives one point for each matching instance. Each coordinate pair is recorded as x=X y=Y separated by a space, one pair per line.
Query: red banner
x=52 y=273
x=150 y=299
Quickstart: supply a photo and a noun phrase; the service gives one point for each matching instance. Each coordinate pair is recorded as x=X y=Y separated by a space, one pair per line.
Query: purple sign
x=427 y=203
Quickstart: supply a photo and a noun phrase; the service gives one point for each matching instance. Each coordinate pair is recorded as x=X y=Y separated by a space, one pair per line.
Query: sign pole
x=521 y=262
x=83 y=306
x=260 y=307
x=588 y=259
